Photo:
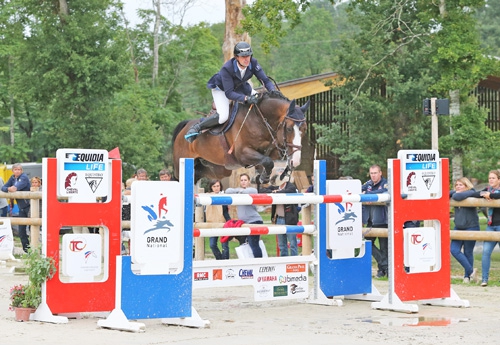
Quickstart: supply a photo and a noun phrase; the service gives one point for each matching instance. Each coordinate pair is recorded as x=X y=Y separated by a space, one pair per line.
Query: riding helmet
x=242 y=49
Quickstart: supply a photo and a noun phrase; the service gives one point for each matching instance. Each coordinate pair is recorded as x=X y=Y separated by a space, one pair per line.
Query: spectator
x=489 y=193
x=36 y=186
x=20 y=182
x=284 y=214
x=466 y=218
x=248 y=213
x=165 y=175
x=217 y=214
x=376 y=216
x=128 y=186
x=141 y=175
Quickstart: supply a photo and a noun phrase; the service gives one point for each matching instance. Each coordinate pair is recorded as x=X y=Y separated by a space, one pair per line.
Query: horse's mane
x=275 y=94
x=177 y=129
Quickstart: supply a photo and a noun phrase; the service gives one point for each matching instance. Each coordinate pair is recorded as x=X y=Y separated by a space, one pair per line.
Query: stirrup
x=191 y=137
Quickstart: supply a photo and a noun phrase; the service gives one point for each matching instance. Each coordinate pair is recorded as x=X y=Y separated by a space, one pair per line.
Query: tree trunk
x=156 y=44
x=233 y=18
x=63 y=7
x=456 y=162
x=12 y=109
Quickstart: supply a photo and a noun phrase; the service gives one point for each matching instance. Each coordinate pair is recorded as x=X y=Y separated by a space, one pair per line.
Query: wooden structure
x=320 y=90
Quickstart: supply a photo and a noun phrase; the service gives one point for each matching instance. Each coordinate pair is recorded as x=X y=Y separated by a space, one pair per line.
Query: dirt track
x=237 y=319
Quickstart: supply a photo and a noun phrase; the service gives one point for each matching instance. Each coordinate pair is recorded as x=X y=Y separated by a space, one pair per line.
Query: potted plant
x=24 y=299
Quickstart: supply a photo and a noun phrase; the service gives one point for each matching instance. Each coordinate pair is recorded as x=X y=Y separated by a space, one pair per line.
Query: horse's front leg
x=264 y=165
x=267 y=165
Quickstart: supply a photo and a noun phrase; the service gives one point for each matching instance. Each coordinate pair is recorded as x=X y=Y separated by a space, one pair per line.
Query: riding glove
x=253 y=99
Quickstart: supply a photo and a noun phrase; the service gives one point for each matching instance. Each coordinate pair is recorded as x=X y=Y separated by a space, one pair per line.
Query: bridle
x=283 y=149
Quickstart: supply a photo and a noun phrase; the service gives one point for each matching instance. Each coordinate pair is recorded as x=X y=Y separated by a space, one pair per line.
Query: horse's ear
x=305 y=106
x=291 y=108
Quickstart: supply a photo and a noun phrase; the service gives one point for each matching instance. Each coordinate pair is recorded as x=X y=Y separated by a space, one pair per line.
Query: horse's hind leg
x=211 y=171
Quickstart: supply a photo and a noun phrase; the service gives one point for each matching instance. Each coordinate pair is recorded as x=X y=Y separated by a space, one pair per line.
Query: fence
x=35 y=223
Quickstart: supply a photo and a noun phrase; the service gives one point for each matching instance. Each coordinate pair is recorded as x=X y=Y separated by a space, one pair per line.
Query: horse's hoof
x=263 y=179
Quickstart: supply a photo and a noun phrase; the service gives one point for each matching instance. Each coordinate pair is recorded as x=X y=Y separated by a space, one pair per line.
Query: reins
x=271 y=133
x=238 y=134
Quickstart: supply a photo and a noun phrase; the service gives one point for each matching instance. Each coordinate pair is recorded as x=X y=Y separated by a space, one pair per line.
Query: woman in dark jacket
x=465 y=219
x=489 y=193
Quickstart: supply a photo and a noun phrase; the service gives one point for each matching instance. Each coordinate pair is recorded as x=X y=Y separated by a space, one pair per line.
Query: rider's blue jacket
x=229 y=80
x=375 y=215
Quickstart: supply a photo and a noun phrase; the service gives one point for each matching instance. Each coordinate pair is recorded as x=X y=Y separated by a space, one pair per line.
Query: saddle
x=223 y=128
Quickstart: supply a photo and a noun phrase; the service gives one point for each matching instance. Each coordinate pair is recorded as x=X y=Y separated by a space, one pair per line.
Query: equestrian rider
x=231 y=83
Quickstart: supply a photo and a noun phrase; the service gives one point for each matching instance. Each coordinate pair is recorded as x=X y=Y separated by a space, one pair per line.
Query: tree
x=403 y=52
x=68 y=63
x=488 y=17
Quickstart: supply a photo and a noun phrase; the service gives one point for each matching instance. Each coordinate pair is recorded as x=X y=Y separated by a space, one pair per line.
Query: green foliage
x=39 y=269
x=17 y=153
x=488 y=17
x=83 y=80
x=400 y=55
x=469 y=130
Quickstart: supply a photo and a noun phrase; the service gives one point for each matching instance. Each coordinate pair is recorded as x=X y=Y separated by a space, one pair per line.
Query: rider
x=231 y=83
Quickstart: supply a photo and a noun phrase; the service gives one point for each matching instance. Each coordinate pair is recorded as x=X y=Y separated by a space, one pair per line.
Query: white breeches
x=222 y=104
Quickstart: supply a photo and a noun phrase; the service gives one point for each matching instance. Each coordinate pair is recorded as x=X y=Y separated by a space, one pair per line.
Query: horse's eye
x=289 y=129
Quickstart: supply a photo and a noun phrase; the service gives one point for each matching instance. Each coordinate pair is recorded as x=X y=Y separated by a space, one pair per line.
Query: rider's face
x=243 y=61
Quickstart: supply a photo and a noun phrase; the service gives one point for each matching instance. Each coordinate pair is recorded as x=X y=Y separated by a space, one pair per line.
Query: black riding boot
x=196 y=129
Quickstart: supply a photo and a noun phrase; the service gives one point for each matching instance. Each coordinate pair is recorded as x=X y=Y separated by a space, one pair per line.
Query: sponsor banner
x=82 y=174
x=345 y=227
x=421 y=249
x=270 y=281
x=420 y=174
x=82 y=255
x=6 y=239
x=157 y=227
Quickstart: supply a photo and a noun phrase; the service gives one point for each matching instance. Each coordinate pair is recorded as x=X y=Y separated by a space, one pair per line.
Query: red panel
x=429 y=285
x=82 y=297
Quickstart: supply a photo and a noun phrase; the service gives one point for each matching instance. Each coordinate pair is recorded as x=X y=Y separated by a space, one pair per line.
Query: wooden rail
x=36 y=222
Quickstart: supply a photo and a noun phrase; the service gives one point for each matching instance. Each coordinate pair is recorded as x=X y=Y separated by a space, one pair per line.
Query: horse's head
x=288 y=122
x=294 y=128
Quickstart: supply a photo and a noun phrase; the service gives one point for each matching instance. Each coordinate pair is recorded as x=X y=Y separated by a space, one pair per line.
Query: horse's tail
x=177 y=129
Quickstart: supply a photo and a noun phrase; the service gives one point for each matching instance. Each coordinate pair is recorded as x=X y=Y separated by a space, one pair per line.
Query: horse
x=270 y=130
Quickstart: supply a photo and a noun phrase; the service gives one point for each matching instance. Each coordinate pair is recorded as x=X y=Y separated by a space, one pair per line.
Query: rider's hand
x=252 y=99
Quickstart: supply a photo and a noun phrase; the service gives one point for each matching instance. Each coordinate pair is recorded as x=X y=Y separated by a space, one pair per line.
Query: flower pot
x=23 y=314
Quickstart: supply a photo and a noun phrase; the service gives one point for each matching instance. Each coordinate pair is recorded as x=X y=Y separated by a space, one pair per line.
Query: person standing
x=492 y=192
x=20 y=182
x=465 y=219
x=217 y=214
x=248 y=213
x=4 y=205
x=375 y=216
x=284 y=214
x=231 y=83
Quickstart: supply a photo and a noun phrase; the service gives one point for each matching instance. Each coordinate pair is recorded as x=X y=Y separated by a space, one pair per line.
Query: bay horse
x=270 y=130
